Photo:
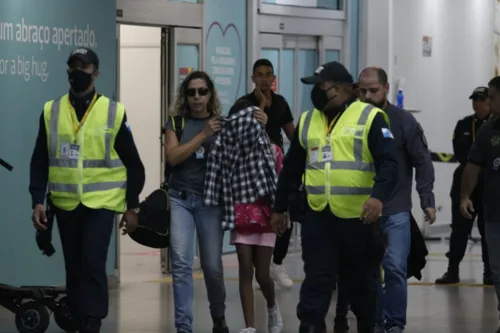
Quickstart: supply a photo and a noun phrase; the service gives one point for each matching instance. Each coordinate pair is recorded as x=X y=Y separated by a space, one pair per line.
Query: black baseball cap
x=332 y=71
x=480 y=93
x=86 y=55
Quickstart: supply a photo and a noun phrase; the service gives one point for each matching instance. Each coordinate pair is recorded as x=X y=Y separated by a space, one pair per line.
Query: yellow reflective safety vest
x=84 y=166
x=340 y=169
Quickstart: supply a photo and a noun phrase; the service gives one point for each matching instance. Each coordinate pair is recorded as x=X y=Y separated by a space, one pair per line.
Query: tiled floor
x=144 y=302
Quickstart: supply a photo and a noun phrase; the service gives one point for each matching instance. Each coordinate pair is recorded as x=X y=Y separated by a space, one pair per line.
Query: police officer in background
x=86 y=156
x=463 y=137
x=484 y=158
x=347 y=153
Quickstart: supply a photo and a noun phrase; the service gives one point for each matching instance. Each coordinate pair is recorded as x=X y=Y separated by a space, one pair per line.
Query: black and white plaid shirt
x=240 y=165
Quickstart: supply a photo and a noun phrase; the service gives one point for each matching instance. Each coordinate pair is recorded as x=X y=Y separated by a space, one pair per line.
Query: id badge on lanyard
x=326 y=153
x=72 y=150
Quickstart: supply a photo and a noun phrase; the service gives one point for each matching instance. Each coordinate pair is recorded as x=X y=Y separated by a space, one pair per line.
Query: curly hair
x=180 y=106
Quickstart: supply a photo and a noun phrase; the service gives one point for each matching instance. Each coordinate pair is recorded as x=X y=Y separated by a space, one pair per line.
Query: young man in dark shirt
x=279 y=117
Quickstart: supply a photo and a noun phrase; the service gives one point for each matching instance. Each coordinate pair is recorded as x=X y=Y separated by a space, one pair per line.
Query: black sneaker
x=449 y=278
x=91 y=325
x=340 y=324
x=220 y=326
x=304 y=328
x=487 y=279
x=220 y=329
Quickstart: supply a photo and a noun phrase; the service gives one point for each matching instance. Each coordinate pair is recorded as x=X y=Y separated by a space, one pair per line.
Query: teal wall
x=33 y=70
x=225 y=23
x=225 y=28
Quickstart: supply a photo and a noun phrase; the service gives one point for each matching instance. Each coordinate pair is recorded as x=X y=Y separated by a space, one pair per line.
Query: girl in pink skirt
x=255 y=251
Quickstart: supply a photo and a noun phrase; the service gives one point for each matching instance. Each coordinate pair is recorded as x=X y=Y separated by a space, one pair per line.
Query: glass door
x=292 y=57
x=330 y=49
x=181 y=49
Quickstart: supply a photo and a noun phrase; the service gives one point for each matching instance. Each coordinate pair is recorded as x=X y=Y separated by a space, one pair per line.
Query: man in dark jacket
x=395 y=221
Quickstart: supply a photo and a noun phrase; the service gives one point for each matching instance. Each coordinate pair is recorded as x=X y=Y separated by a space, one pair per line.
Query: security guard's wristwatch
x=136 y=210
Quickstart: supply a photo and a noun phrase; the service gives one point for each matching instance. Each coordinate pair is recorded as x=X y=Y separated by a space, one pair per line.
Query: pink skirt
x=267 y=239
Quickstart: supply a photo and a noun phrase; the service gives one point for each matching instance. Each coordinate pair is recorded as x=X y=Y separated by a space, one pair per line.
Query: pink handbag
x=256 y=217
x=253 y=217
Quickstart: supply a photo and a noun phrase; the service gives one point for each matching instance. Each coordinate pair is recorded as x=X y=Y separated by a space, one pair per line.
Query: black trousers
x=85 y=238
x=327 y=244
x=282 y=245
x=461 y=229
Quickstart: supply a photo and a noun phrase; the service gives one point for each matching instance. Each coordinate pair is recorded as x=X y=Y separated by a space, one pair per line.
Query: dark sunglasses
x=191 y=92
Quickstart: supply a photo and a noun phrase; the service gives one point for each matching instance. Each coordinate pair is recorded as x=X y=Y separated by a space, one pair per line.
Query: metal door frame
x=330 y=43
x=117 y=94
x=160 y=13
x=172 y=36
x=117 y=98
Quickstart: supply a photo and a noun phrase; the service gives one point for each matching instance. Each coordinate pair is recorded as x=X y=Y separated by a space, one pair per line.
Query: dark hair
x=262 y=62
x=180 y=106
x=240 y=104
x=382 y=75
x=495 y=83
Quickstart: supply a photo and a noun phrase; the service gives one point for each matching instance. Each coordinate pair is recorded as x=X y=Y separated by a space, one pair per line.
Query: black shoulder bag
x=154 y=212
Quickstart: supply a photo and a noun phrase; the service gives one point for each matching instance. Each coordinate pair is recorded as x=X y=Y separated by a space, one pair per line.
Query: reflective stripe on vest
x=357 y=164
x=107 y=162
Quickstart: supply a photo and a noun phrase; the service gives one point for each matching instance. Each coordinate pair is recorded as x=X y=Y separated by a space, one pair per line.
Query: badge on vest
x=496 y=164
x=200 y=153
x=71 y=151
x=326 y=154
x=314 y=155
x=65 y=150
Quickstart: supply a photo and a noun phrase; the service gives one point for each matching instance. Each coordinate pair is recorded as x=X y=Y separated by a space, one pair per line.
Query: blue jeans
x=392 y=299
x=492 y=230
x=188 y=213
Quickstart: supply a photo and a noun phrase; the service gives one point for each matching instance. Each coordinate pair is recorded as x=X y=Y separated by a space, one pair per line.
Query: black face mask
x=319 y=98
x=79 y=80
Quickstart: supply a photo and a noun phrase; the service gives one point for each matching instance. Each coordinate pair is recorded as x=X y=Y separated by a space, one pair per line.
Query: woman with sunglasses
x=198 y=104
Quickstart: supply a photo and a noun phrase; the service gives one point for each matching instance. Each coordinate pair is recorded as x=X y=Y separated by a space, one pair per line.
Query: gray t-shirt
x=189 y=176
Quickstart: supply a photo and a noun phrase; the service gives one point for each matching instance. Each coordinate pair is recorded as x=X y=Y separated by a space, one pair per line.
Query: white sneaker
x=280 y=276
x=274 y=321
x=248 y=330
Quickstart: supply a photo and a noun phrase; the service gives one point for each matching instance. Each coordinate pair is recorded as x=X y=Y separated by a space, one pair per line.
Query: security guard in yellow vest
x=344 y=151
x=86 y=157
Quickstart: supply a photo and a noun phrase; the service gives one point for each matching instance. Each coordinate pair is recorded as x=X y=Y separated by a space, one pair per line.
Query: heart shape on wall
x=224 y=61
